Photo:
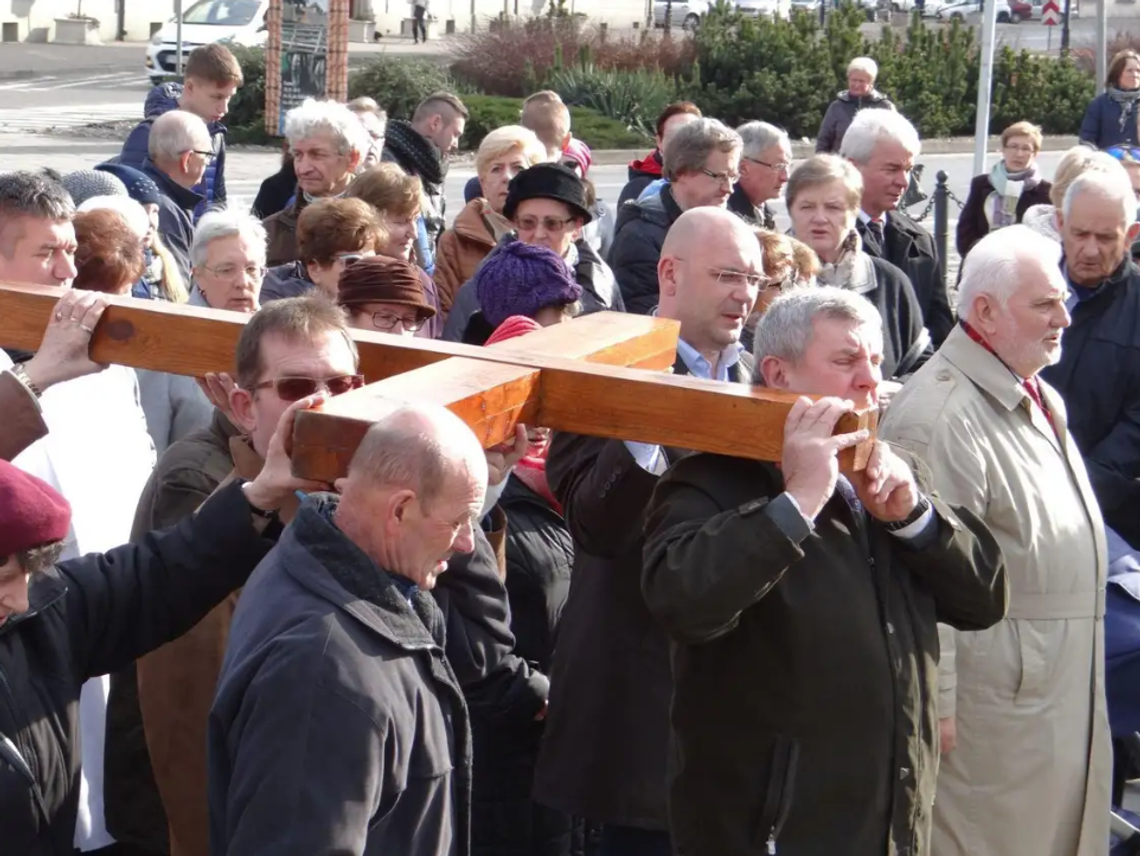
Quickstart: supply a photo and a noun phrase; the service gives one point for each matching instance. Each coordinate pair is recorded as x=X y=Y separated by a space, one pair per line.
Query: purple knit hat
x=521 y=279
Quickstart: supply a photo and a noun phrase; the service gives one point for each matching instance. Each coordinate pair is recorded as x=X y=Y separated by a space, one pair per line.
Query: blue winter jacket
x=1101 y=125
x=162 y=99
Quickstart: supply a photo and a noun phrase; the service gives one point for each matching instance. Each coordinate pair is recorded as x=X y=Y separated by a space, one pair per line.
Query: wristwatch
x=257 y=512
x=21 y=374
x=920 y=508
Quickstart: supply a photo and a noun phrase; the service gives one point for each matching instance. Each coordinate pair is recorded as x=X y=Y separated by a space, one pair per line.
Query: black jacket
x=910 y=248
x=805 y=661
x=974 y=221
x=604 y=753
x=338 y=724
x=638 y=238
x=841 y=113
x=175 y=216
x=504 y=819
x=1099 y=379
x=906 y=342
x=94 y=615
x=642 y=173
x=277 y=191
x=761 y=216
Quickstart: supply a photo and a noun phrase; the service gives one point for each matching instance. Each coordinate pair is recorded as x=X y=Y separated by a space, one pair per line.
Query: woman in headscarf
x=1111 y=117
x=1002 y=197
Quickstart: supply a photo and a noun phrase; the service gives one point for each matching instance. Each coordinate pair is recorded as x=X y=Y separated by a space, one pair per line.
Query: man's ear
x=667 y=275
x=774 y=371
x=184 y=161
x=984 y=312
x=1133 y=231
x=241 y=405
x=1059 y=218
x=354 y=158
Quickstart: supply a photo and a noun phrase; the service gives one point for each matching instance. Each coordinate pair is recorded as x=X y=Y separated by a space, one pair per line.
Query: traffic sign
x=1050 y=13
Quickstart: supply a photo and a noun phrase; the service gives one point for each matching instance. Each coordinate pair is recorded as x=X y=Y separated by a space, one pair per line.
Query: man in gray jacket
x=338 y=724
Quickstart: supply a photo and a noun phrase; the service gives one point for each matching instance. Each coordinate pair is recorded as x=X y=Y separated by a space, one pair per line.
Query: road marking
x=23 y=120
x=97 y=81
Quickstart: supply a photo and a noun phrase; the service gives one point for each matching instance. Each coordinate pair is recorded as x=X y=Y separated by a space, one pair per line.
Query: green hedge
x=597 y=131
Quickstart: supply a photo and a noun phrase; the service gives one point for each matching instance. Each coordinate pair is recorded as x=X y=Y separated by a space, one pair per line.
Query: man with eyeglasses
x=604 y=752
x=702 y=165
x=765 y=158
x=179 y=149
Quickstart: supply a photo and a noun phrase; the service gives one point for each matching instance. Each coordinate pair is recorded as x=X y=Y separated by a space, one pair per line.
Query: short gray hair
x=1114 y=189
x=864 y=64
x=786 y=329
x=824 y=169
x=871 y=127
x=690 y=147
x=174 y=133
x=993 y=265
x=757 y=136
x=225 y=223
x=314 y=117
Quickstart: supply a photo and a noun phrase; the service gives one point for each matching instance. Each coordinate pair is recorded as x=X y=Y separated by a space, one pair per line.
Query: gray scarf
x=853 y=270
x=1126 y=98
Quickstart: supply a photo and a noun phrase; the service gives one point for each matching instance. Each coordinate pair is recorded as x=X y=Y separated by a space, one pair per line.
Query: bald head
x=180 y=146
x=694 y=227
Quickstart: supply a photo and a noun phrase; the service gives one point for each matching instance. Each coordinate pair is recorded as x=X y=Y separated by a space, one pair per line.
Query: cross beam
x=588 y=376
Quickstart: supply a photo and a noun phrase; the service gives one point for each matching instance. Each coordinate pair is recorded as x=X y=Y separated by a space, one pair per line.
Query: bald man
x=338 y=725
x=604 y=752
x=998 y=444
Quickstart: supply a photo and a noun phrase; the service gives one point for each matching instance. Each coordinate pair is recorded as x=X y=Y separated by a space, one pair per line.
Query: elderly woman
x=1111 y=118
x=109 y=252
x=823 y=200
x=1012 y=187
x=384 y=294
x=397 y=198
x=374 y=120
x=1075 y=162
x=503 y=154
x=331 y=233
x=860 y=94
x=328 y=143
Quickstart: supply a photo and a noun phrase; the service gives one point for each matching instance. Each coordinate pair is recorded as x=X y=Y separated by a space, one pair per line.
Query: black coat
x=911 y=248
x=638 y=237
x=805 y=662
x=761 y=216
x=1099 y=379
x=504 y=819
x=338 y=724
x=176 y=207
x=604 y=753
x=974 y=224
x=841 y=113
x=642 y=173
x=91 y=616
x=906 y=342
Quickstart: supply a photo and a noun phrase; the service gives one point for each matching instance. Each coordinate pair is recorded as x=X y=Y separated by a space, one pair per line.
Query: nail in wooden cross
x=603 y=375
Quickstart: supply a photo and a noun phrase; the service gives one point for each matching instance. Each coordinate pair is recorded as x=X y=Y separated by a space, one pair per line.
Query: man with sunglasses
x=765 y=159
x=179 y=149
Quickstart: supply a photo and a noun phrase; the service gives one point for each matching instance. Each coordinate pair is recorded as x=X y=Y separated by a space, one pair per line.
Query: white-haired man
x=802 y=606
x=883 y=145
x=1022 y=708
x=859 y=95
x=1097 y=374
x=327 y=142
x=180 y=149
x=765 y=159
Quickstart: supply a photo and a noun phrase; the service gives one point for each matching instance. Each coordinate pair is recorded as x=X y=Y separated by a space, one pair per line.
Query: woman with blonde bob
x=503 y=154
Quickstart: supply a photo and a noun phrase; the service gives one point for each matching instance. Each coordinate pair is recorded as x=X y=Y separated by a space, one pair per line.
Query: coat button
x=904 y=772
x=890 y=628
x=943 y=376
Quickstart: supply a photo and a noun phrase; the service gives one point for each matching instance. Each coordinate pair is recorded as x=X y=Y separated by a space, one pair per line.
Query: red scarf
x=531 y=471
x=1031 y=385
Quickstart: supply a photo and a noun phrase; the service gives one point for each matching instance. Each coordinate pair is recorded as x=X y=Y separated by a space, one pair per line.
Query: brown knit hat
x=381 y=279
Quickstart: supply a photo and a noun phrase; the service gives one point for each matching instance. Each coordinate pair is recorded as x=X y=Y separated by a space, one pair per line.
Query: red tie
x=1031 y=385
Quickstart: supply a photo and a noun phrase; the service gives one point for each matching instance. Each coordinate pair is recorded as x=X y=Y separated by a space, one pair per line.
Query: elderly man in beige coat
x=1023 y=701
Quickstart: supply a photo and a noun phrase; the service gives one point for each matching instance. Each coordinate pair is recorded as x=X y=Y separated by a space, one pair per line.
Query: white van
x=241 y=22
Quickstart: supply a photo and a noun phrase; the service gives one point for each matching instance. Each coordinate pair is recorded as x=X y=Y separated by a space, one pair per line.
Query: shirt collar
x=864 y=217
x=699 y=367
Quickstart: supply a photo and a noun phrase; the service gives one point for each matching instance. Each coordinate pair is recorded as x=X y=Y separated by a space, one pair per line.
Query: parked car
x=688 y=14
x=241 y=22
x=960 y=9
x=1037 y=6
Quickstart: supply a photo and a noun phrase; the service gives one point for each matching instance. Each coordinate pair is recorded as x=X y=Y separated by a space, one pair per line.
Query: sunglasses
x=1127 y=154
x=296 y=388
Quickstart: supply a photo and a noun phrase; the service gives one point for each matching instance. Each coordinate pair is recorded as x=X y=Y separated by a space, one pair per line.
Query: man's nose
x=465 y=540
x=64 y=268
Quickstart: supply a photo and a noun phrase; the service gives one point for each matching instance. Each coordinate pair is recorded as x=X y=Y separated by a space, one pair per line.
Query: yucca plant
x=635 y=98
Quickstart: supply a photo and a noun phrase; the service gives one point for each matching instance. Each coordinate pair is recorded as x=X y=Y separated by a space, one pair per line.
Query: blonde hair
x=505 y=141
x=864 y=64
x=1076 y=162
x=173 y=288
x=824 y=169
x=1023 y=129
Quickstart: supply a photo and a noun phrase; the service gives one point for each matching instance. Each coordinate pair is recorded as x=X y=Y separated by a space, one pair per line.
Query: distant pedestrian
x=419 y=21
x=860 y=94
x=1111 y=117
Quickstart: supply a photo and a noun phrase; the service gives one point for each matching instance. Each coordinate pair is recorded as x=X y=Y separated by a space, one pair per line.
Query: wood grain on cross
x=588 y=376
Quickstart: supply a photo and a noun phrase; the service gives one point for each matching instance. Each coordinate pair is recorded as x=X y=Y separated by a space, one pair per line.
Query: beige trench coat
x=1031 y=774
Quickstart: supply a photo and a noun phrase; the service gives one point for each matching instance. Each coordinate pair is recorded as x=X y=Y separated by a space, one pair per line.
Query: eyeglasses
x=550 y=224
x=209 y=156
x=721 y=177
x=1125 y=154
x=230 y=272
x=1019 y=149
x=736 y=278
x=387 y=322
x=296 y=388
x=782 y=166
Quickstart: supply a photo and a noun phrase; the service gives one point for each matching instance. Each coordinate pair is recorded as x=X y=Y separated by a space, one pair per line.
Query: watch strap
x=920 y=508
x=21 y=374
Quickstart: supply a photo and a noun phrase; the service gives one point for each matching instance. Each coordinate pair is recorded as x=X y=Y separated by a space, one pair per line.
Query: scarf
x=1126 y=98
x=853 y=270
x=1008 y=187
x=414 y=152
x=531 y=471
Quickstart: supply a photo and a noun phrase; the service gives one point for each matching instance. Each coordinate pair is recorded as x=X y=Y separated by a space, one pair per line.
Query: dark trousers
x=631 y=841
x=419 y=25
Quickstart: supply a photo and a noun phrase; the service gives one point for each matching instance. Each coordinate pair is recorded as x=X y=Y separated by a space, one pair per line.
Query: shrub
x=398 y=85
x=246 y=117
x=599 y=132
x=634 y=98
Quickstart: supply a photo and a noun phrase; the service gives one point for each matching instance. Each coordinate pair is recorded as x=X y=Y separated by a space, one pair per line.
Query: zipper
x=781 y=784
x=26 y=767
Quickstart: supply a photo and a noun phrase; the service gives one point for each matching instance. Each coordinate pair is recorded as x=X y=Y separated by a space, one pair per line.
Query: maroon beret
x=32 y=512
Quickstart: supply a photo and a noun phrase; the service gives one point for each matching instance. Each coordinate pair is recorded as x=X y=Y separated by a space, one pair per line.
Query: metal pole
x=985 y=87
x=1101 y=44
x=941 y=220
x=178 y=37
x=822 y=12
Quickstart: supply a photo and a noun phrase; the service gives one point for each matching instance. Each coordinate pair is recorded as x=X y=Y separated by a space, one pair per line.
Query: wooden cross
x=603 y=374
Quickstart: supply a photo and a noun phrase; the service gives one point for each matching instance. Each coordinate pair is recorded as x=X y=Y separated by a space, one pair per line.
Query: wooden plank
x=194 y=340
x=603 y=401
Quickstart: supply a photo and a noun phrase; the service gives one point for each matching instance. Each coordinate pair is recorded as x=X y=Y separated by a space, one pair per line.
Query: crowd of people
x=567 y=645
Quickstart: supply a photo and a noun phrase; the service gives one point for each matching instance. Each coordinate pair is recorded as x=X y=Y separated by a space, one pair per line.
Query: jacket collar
x=183 y=197
x=389 y=606
x=477 y=222
x=1114 y=281
x=982 y=367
